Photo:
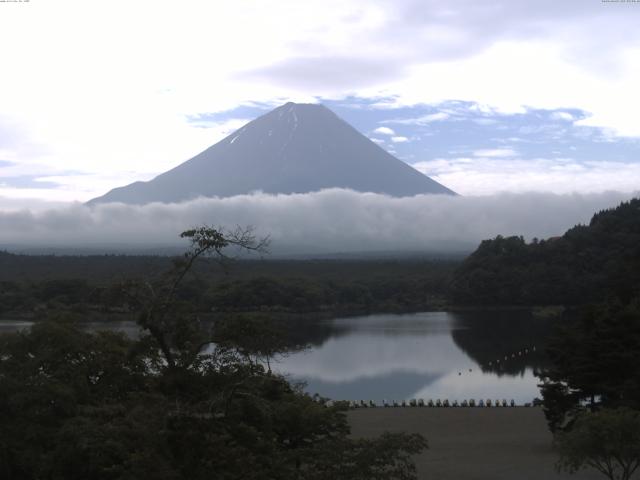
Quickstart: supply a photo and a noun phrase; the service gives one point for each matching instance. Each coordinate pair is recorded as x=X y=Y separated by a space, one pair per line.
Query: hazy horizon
x=329 y=221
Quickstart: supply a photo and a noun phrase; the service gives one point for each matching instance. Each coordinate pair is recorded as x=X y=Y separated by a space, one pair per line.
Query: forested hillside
x=587 y=264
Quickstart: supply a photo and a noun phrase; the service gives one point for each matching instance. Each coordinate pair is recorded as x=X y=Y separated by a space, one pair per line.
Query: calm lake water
x=433 y=355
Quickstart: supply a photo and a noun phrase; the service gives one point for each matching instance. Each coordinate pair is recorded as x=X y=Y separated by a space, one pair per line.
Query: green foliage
x=257 y=337
x=47 y=377
x=379 y=459
x=172 y=405
x=594 y=361
x=586 y=264
x=287 y=287
x=607 y=440
x=77 y=405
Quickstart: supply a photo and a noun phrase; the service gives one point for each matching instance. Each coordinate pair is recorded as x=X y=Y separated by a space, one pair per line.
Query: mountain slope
x=296 y=148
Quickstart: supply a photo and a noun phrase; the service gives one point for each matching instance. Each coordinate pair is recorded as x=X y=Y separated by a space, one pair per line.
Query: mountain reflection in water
x=400 y=357
x=425 y=355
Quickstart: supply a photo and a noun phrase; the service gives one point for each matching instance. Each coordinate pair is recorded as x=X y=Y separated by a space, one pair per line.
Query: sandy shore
x=472 y=443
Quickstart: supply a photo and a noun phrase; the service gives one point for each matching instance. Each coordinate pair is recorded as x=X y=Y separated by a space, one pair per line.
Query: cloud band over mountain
x=328 y=221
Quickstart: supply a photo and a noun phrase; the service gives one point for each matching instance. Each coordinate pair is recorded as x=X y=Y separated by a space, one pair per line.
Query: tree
x=257 y=337
x=54 y=375
x=168 y=321
x=594 y=363
x=607 y=440
x=172 y=405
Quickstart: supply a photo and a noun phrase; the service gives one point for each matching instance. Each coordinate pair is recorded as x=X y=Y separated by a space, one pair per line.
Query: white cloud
x=566 y=116
x=511 y=75
x=485 y=121
x=495 y=153
x=379 y=141
x=25 y=203
x=422 y=120
x=489 y=175
x=16 y=169
x=399 y=139
x=328 y=221
x=384 y=131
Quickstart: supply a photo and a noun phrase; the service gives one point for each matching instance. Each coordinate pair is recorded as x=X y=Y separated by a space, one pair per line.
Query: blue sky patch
x=27 y=181
x=457 y=129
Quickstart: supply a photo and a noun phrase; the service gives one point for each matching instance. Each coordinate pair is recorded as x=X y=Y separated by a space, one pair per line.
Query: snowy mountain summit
x=295 y=148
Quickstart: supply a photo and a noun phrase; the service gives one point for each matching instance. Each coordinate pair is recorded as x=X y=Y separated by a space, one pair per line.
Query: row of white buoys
x=514 y=355
x=438 y=403
x=506 y=358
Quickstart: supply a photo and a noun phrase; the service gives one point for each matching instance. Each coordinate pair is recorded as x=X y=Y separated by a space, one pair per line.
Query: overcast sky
x=490 y=96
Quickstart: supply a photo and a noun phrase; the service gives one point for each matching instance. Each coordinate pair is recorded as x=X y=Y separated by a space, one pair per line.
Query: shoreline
x=97 y=314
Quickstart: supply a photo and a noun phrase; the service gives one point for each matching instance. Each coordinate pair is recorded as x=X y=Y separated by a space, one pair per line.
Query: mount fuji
x=295 y=148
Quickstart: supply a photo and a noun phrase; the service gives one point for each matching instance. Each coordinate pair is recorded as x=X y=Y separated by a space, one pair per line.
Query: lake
x=431 y=355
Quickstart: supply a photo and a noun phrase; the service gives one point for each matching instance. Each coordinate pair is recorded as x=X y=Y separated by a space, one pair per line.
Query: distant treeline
x=30 y=284
x=94 y=268
x=587 y=264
